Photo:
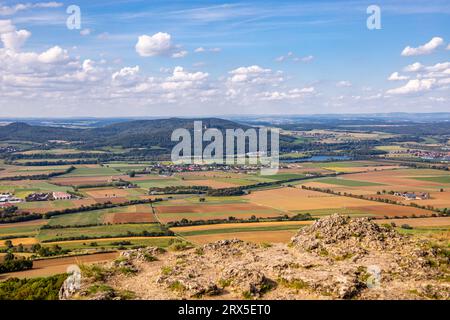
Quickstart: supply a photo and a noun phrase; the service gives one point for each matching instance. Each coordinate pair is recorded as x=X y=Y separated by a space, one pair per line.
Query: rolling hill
x=129 y=134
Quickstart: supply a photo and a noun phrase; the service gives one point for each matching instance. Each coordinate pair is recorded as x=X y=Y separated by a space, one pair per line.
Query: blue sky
x=213 y=58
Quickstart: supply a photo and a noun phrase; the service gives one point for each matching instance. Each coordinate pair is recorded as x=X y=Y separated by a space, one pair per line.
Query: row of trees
x=43 y=176
x=180 y=190
x=44 y=163
x=11 y=264
x=11 y=215
x=36 y=249
x=231 y=219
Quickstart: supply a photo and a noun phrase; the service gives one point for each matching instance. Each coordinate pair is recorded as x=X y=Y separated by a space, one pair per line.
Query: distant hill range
x=129 y=134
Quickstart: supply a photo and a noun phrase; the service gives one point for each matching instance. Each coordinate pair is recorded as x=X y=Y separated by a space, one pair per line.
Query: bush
x=15 y=265
x=179 y=245
x=32 y=289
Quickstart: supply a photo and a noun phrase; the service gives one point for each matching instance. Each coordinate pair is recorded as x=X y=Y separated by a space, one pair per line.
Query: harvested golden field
x=419 y=222
x=257 y=237
x=296 y=199
x=23 y=241
x=208 y=208
x=401 y=180
x=46 y=206
x=291 y=199
x=438 y=200
x=141 y=214
x=106 y=193
x=390 y=210
x=48 y=267
x=353 y=190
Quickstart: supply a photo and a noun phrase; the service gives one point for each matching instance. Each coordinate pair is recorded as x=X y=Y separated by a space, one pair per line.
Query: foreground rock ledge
x=334 y=258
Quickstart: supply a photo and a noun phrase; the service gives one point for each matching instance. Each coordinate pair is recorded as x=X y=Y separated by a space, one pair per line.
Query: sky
x=203 y=58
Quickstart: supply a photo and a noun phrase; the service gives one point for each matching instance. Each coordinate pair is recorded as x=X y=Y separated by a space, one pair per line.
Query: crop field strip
x=102 y=231
x=103 y=216
x=131 y=226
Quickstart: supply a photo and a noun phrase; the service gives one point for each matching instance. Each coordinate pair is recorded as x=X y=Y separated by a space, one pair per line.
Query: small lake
x=319 y=159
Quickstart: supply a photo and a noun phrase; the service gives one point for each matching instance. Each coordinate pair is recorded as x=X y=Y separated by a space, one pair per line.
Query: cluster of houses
x=8 y=199
x=427 y=155
x=170 y=169
x=8 y=149
x=413 y=196
x=48 y=196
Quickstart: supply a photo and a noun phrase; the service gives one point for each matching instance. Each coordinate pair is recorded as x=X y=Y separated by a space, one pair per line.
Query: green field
x=16 y=231
x=89 y=217
x=81 y=218
x=109 y=243
x=159 y=183
x=285 y=176
x=91 y=172
x=437 y=179
x=348 y=183
x=117 y=230
x=330 y=211
x=21 y=191
x=427 y=232
x=243 y=229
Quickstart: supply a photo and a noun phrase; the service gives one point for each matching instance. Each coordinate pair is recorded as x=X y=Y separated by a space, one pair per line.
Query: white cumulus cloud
x=427 y=48
x=416 y=66
x=15 y=39
x=414 y=86
x=53 y=55
x=180 y=54
x=158 y=44
x=395 y=76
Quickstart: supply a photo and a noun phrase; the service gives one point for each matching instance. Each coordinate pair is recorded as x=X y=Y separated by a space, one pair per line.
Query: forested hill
x=140 y=133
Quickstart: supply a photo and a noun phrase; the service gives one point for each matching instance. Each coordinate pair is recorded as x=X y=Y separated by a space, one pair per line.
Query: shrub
x=32 y=289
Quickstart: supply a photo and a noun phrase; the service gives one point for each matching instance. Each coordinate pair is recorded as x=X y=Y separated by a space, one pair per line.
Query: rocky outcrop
x=334 y=258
